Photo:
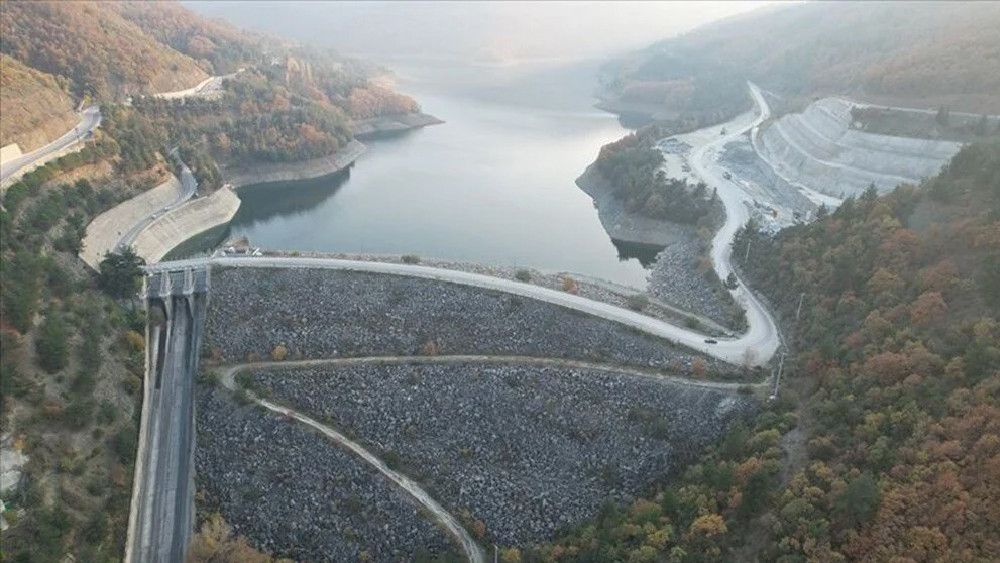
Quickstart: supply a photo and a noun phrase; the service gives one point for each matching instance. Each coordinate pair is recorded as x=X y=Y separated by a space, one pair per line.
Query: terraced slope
x=819 y=149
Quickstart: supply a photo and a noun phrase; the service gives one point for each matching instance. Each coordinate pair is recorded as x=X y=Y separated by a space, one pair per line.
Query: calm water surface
x=495 y=184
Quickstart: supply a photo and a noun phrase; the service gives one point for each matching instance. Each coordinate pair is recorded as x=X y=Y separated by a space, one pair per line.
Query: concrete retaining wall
x=188 y=220
x=818 y=148
x=104 y=232
x=9 y=152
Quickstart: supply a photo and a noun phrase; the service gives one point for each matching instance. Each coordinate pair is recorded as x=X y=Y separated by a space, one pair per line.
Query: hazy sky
x=487 y=31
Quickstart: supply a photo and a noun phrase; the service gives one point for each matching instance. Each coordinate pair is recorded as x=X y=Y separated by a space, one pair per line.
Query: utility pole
x=777 y=380
x=494 y=553
x=798 y=311
x=747 y=255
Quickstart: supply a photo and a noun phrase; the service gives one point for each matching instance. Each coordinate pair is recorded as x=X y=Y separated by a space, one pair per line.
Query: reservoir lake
x=494 y=184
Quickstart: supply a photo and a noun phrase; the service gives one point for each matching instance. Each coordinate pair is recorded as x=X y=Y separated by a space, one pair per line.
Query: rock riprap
x=527 y=450
x=315 y=313
x=294 y=493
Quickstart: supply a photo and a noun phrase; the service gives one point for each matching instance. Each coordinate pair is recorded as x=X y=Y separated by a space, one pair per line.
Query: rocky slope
x=528 y=450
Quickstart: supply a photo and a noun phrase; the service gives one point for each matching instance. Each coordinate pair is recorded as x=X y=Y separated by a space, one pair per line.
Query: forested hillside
x=217 y=46
x=35 y=107
x=94 y=48
x=71 y=362
x=291 y=102
x=884 y=444
x=632 y=165
x=922 y=54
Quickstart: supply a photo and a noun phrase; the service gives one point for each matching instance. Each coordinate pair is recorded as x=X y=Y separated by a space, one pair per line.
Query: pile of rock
x=295 y=494
x=674 y=278
x=527 y=450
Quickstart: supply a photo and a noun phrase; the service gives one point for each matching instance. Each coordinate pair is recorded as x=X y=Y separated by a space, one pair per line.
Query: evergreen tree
x=51 y=345
x=120 y=273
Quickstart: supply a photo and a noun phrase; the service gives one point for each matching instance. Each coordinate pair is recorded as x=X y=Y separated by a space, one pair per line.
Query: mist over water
x=495 y=184
x=515 y=82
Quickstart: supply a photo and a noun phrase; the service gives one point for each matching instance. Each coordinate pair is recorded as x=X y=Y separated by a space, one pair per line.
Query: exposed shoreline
x=622 y=225
x=247 y=175
x=268 y=173
x=373 y=127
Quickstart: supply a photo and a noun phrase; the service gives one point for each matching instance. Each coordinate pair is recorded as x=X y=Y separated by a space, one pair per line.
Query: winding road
x=754 y=347
x=761 y=339
x=189 y=187
x=90 y=118
x=209 y=86
x=443 y=517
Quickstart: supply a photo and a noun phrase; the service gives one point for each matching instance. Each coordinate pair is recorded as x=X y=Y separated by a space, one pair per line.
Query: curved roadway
x=731 y=350
x=761 y=338
x=90 y=118
x=451 y=525
x=754 y=347
x=188 y=188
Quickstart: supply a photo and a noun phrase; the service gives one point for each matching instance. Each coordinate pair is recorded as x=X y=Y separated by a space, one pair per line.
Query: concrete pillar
x=166 y=285
x=188 y=281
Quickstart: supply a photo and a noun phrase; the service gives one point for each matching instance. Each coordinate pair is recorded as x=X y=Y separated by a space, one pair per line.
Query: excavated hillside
x=818 y=149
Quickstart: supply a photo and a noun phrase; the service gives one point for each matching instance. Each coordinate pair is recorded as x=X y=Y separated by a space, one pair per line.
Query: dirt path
x=443 y=517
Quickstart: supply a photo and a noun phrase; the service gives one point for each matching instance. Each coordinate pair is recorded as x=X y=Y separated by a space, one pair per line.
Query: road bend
x=90 y=118
x=472 y=550
x=189 y=187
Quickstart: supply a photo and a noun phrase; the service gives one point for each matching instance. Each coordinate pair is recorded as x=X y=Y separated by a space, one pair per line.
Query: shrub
x=279 y=353
x=125 y=443
x=523 y=275
x=638 y=302
x=430 y=348
x=208 y=377
x=411 y=259
x=107 y=413
x=51 y=345
x=391 y=459
x=510 y=555
x=79 y=414
x=136 y=342
x=569 y=285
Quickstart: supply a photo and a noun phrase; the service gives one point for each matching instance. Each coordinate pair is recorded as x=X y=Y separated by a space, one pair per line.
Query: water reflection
x=644 y=253
x=495 y=184
x=261 y=202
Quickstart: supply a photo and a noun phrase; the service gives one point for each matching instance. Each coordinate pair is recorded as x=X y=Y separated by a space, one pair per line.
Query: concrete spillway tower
x=161 y=519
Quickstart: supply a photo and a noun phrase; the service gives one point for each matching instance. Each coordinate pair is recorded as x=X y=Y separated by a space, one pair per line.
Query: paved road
x=728 y=350
x=188 y=188
x=469 y=546
x=761 y=338
x=90 y=118
x=754 y=347
x=208 y=86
